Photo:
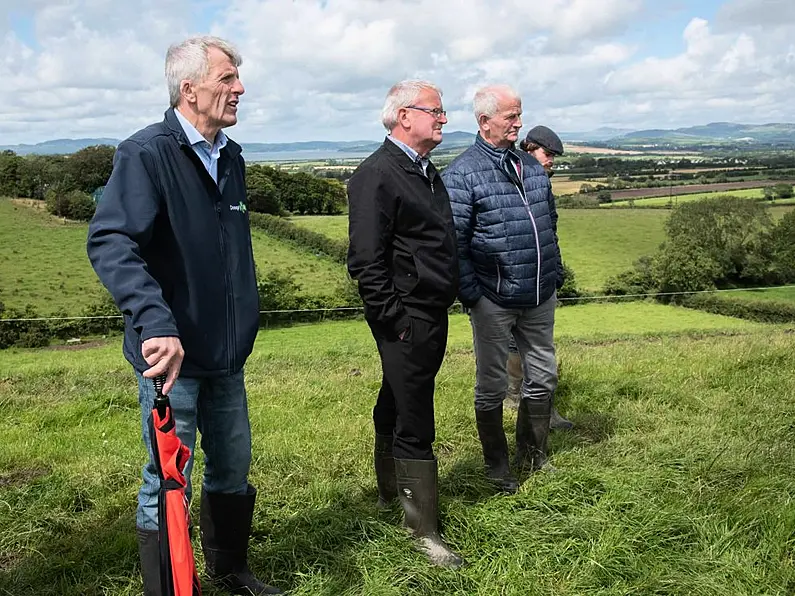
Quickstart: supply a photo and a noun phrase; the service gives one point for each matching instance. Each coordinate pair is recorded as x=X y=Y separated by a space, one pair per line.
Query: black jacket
x=402 y=239
x=174 y=250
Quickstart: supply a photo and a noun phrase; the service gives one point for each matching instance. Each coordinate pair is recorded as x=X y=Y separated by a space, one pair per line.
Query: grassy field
x=315 y=274
x=748 y=193
x=678 y=478
x=595 y=244
x=784 y=294
x=43 y=262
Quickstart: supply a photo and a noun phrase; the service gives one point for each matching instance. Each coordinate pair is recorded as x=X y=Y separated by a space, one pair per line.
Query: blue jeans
x=218 y=408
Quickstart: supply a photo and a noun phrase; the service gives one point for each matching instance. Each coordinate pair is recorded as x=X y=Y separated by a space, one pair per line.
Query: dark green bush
x=763 y=311
x=74 y=204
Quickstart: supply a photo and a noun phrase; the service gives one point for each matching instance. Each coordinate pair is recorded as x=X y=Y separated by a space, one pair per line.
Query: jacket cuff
x=159 y=332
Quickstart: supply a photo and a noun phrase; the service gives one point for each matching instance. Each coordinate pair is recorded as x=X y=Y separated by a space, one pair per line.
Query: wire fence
x=341 y=309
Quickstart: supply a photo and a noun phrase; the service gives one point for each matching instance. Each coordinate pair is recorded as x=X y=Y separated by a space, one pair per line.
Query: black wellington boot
x=418 y=493
x=532 y=430
x=225 y=525
x=384 y=470
x=495 y=449
x=556 y=421
x=149 y=552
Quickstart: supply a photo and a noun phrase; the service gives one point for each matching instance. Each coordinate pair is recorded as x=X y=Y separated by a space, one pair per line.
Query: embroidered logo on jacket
x=241 y=206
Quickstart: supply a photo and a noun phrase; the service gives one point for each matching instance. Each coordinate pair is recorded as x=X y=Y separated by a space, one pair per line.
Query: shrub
x=569 y=289
x=783 y=191
x=81 y=206
x=638 y=280
x=75 y=204
x=764 y=311
x=578 y=201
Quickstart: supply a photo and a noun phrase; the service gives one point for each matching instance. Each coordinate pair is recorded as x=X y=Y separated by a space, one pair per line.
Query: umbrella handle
x=161 y=400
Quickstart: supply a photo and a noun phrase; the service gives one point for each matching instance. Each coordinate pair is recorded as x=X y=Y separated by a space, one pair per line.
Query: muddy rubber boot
x=384 y=470
x=225 y=525
x=418 y=493
x=495 y=449
x=532 y=430
x=558 y=422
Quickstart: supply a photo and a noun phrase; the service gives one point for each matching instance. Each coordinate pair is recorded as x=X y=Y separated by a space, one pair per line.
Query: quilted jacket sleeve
x=461 y=202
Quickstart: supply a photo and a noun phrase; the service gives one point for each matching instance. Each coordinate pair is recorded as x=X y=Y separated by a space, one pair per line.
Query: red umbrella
x=178 y=575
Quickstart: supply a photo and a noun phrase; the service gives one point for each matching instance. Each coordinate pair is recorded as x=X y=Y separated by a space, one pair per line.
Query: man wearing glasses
x=506 y=226
x=402 y=254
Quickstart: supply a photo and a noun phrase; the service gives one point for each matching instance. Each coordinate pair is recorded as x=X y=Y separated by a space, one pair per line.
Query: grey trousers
x=532 y=329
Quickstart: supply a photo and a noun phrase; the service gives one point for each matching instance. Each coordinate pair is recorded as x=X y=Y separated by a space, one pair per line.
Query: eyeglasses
x=435 y=112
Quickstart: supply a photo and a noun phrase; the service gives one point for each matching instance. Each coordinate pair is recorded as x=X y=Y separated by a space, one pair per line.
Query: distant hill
x=58 y=146
x=713 y=133
x=604 y=133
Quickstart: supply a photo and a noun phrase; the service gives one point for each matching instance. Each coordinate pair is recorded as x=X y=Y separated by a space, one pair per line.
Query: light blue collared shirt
x=413 y=155
x=209 y=154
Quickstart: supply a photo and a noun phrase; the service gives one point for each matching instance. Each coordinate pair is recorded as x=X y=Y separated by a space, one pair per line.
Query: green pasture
x=782 y=294
x=595 y=244
x=43 y=262
x=316 y=274
x=747 y=193
x=678 y=478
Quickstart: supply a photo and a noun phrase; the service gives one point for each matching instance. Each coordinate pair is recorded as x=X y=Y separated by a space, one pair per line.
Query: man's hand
x=164 y=355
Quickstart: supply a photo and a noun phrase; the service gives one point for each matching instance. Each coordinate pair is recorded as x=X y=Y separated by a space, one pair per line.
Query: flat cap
x=546 y=138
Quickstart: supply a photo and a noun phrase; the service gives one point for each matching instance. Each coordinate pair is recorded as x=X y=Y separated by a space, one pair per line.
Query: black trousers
x=405 y=402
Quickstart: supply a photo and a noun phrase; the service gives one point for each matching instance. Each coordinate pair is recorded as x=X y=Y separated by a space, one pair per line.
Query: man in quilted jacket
x=510 y=269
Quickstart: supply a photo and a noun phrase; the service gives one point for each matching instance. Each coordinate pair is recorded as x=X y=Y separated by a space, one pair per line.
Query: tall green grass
x=678 y=478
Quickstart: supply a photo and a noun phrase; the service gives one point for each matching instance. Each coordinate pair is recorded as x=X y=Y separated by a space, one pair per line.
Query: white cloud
x=319 y=69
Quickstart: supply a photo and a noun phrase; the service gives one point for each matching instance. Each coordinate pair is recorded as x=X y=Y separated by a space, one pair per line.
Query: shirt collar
x=413 y=155
x=196 y=138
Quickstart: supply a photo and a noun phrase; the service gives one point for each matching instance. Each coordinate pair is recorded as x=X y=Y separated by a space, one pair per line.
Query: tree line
x=66 y=183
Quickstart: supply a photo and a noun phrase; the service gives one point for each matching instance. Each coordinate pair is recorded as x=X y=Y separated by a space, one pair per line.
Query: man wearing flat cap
x=543 y=144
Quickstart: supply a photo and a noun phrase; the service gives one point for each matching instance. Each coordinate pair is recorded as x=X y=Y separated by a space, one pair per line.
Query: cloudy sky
x=319 y=69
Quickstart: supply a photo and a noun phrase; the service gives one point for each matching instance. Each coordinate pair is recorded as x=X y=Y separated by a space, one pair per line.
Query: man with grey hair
x=171 y=242
x=506 y=227
x=402 y=254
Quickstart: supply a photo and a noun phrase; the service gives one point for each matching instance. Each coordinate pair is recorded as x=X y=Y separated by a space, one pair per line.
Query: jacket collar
x=499 y=156
x=404 y=161
x=171 y=122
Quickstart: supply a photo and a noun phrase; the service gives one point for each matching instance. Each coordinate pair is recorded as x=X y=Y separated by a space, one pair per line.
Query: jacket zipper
x=499 y=278
x=230 y=311
x=535 y=233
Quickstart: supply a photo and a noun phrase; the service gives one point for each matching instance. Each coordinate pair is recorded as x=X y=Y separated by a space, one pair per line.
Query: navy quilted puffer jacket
x=506 y=227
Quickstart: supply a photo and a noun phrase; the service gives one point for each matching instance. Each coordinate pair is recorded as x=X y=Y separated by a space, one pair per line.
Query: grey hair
x=188 y=60
x=403 y=94
x=487 y=99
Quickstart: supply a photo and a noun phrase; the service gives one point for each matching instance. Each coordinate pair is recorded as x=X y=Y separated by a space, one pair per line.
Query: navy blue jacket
x=506 y=227
x=174 y=250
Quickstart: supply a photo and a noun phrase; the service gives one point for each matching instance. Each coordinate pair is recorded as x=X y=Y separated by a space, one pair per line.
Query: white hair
x=188 y=60
x=401 y=95
x=487 y=99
